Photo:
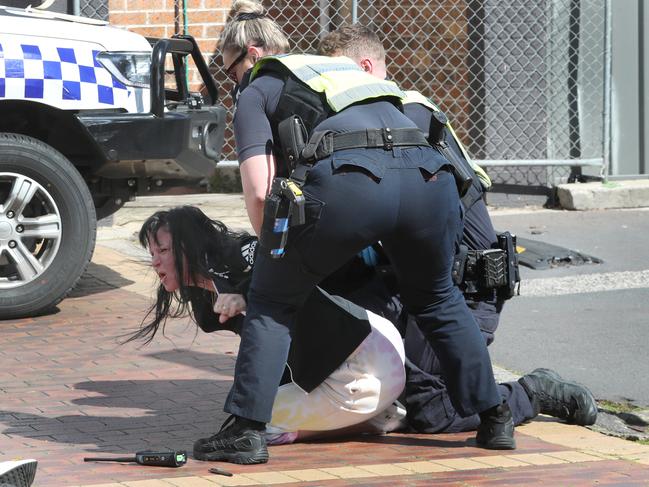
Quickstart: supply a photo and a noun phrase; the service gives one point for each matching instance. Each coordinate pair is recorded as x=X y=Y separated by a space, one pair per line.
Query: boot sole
x=21 y=475
x=590 y=415
x=241 y=458
x=502 y=443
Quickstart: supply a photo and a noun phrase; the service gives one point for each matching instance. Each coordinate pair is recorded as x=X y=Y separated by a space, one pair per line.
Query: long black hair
x=203 y=242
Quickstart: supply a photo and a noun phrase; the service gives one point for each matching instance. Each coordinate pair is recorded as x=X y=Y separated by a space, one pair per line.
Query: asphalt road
x=590 y=322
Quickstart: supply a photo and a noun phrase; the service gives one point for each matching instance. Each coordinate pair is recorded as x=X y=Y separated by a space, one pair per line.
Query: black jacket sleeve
x=231 y=275
x=206 y=318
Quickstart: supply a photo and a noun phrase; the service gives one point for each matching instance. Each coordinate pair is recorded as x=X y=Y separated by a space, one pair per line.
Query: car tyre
x=47 y=226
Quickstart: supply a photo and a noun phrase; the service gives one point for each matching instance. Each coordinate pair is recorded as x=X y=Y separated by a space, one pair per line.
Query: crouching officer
x=485 y=268
x=486 y=265
x=483 y=249
x=366 y=174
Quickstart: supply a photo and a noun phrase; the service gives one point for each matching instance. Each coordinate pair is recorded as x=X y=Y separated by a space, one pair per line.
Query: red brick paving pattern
x=573 y=475
x=68 y=390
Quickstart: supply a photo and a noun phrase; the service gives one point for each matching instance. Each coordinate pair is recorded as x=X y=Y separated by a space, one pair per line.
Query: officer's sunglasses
x=230 y=71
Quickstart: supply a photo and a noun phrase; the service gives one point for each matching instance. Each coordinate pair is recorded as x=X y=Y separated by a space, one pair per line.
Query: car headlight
x=130 y=68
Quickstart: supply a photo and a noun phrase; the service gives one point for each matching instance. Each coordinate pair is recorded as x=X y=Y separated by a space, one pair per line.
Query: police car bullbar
x=90 y=116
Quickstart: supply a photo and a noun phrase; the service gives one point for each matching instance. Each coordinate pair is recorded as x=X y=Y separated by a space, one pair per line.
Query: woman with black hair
x=211 y=252
x=346 y=364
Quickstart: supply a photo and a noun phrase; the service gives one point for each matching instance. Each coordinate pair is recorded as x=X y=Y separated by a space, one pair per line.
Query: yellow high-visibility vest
x=340 y=79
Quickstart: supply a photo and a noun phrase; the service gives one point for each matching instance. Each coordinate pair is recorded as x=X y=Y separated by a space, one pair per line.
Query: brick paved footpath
x=68 y=390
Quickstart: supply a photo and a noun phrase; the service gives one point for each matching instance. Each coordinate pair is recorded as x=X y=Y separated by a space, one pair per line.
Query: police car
x=90 y=116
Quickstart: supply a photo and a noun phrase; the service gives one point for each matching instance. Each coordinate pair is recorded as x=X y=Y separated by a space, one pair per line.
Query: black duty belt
x=284 y=205
x=322 y=144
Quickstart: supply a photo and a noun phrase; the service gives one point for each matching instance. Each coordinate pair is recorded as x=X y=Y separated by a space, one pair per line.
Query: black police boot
x=552 y=395
x=240 y=440
x=496 y=430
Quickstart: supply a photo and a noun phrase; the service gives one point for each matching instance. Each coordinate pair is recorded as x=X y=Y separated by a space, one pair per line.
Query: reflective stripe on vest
x=416 y=97
x=339 y=78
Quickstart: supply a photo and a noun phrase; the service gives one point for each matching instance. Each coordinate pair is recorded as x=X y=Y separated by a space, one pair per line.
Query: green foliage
x=617 y=407
x=225 y=180
x=611 y=184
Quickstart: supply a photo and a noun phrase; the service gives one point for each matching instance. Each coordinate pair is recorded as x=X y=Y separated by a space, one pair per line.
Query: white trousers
x=369 y=381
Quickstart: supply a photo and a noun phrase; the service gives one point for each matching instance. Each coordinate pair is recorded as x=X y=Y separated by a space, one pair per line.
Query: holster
x=284 y=208
x=274 y=230
x=477 y=271
x=436 y=137
x=507 y=242
x=285 y=204
x=292 y=139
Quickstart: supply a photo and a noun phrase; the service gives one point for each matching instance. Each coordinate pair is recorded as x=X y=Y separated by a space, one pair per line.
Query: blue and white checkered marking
x=66 y=76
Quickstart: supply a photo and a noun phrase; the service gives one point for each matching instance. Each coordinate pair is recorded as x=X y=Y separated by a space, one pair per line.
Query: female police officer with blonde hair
x=367 y=175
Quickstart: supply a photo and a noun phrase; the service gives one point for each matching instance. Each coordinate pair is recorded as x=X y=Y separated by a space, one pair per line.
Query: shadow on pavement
x=192 y=358
x=200 y=360
x=98 y=279
x=155 y=414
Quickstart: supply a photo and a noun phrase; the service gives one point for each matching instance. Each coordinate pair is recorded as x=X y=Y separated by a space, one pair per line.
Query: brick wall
x=426 y=42
x=163 y=18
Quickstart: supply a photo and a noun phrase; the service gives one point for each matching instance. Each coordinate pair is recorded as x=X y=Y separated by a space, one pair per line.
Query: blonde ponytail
x=248 y=25
x=250 y=7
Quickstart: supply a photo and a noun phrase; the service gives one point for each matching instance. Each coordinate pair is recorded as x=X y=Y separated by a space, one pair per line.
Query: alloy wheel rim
x=30 y=230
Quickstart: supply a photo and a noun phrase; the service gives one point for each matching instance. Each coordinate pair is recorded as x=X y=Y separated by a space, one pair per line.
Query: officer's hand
x=229 y=305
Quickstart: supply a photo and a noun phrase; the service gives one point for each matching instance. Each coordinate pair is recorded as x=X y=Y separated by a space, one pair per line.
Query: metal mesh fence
x=521 y=80
x=95 y=9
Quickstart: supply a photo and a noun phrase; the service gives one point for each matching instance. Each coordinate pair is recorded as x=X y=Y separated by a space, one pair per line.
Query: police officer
x=362 y=44
x=428 y=404
x=367 y=174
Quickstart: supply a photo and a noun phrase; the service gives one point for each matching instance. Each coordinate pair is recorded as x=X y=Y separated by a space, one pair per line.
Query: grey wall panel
x=625 y=138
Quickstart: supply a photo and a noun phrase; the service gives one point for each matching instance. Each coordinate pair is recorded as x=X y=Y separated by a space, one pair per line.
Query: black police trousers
x=426 y=397
x=404 y=198
x=427 y=400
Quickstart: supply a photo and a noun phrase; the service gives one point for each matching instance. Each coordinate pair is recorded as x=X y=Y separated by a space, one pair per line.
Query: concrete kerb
x=228 y=208
x=119 y=231
x=575 y=196
x=601 y=196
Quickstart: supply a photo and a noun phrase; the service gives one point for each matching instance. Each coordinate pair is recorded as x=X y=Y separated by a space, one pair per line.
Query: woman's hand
x=229 y=305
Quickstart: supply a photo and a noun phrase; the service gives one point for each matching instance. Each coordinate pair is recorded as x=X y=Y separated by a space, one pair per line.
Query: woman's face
x=236 y=62
x=162 y=260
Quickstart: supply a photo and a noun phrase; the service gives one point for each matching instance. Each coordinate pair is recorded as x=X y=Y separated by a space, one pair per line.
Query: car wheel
x=47 y=226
